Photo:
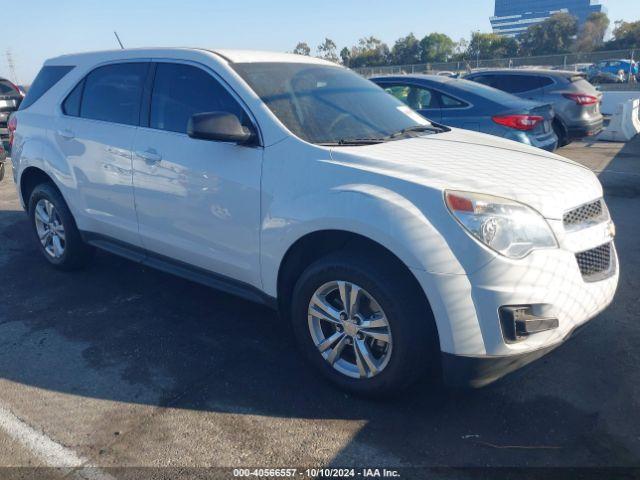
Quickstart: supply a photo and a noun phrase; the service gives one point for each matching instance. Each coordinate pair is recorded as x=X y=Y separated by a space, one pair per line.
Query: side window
x=415 y=97
x=510 y=83
x=401 y=92
x=450 y=102
x=180 y=91
x=485 y=80
x=71 y=105
x=113 y=93
x=423 y=98
x=520 y=83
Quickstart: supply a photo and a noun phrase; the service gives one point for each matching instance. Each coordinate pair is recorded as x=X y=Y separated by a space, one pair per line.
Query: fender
x=372 y=211
x=37 y=152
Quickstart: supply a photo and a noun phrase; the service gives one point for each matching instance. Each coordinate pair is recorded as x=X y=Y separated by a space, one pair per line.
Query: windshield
x=328 y=105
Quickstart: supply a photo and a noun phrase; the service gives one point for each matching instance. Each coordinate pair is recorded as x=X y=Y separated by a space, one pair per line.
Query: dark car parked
x=472 y=106
x=10 y=98
x=576 y=102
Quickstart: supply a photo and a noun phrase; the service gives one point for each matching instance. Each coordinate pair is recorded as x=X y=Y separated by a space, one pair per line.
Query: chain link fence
x=569 y=61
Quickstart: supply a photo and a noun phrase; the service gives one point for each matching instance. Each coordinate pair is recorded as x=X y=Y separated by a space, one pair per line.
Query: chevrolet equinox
x=395 y=246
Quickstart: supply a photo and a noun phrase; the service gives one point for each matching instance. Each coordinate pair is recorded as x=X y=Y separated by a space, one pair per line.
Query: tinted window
x=46 y=78
x=113 y=93
x=179 y=91
x=6 y=88
x=514 y=83
x=71 y=105
x=326 y=104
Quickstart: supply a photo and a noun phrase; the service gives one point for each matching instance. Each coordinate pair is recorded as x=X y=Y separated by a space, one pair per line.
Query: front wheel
x=364 y=324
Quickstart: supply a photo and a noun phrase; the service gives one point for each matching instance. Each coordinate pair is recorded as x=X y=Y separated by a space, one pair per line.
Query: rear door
x=198 y=201
x=96 y=133
x=456 y=112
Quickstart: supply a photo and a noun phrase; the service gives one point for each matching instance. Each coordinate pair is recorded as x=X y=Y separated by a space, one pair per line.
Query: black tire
x=415 y=351
x=76 y=252
x=561 y=133
x=1 y=171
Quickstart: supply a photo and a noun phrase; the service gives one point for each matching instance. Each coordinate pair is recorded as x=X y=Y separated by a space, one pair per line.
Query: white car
x=394 y=246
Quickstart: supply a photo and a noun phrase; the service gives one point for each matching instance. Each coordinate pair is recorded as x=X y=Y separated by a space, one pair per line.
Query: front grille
x=595 y=263
x=593 y=212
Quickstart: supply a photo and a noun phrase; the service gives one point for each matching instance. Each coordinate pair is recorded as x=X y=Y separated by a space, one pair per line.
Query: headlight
x=508 y=227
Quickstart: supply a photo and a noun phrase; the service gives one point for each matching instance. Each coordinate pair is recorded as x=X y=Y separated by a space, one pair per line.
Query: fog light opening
x=519 y=322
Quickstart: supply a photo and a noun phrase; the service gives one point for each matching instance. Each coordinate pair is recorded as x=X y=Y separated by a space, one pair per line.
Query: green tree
x=406 y=50
x=554 y=35
x=625 y=35
x=591 y=35
x=370 y=52
x=328 y=50
x=491 y=45
x=436 y=47
x=345 y=56
x=302 y=49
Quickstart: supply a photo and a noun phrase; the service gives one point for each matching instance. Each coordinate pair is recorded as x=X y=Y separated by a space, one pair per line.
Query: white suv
x=395 y=246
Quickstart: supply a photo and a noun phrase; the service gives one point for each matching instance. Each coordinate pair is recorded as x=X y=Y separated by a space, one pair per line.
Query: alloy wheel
x=350 y=329
x=50 y=229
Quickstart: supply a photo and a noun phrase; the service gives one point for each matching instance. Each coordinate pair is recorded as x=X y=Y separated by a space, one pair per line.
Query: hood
x=474 y=162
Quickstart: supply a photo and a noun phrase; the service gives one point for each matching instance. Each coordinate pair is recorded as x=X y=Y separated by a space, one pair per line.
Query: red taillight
x=581 y=98
x=11 y=126
x=519 y=122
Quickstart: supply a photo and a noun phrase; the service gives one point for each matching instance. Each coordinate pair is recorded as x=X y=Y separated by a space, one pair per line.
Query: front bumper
x=461 y=371
x=466 y=307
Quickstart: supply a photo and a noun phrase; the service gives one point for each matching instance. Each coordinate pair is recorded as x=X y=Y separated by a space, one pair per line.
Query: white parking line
x=52 y=454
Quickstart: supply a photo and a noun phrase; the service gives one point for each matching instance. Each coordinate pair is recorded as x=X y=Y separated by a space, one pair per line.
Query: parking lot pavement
x=122 y=365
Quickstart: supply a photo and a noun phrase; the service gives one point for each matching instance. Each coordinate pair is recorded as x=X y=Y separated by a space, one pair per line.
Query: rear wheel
x=364 y=324
x=561 y=133
x=55 y=229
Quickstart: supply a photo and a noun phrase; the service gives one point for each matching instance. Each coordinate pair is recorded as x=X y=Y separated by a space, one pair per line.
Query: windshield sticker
x=415 y=116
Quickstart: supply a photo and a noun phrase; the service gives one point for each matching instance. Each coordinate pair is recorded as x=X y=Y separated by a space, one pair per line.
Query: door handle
x=66 y=134
x=150 y=156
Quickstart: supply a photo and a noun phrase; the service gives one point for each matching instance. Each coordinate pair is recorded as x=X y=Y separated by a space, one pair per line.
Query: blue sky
x=46 y=28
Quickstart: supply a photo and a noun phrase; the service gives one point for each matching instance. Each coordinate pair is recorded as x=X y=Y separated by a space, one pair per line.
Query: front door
x=198 y=201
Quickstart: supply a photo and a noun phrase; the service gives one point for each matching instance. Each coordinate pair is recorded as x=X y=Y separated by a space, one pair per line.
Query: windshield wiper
x=416 y=128
x=345 y=142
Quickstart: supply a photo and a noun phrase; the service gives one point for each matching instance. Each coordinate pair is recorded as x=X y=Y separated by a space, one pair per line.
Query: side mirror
x=220 y=127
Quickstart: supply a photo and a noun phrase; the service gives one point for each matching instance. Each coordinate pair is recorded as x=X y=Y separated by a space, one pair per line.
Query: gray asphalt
x=127 y=366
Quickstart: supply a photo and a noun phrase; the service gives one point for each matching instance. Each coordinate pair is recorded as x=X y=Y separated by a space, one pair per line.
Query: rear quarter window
x=46 y=78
